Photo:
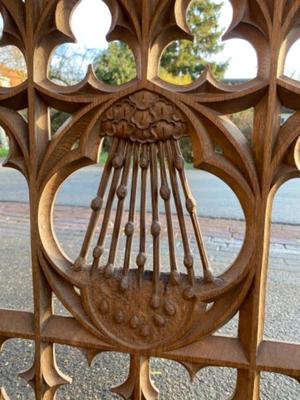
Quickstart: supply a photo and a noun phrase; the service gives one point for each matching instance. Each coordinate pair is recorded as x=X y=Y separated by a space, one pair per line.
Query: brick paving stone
x=223 y=238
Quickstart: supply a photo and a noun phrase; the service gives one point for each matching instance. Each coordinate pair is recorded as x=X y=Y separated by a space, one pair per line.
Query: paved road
x=213 y=197
x=223 y=241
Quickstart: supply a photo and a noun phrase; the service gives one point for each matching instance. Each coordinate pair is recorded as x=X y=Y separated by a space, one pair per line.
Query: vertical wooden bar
x=266 y=126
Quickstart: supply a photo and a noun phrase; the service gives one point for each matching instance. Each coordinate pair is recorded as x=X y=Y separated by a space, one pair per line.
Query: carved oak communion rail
x=132 y=304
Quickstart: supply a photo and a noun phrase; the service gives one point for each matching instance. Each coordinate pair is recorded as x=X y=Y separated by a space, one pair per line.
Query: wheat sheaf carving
x=129 y=299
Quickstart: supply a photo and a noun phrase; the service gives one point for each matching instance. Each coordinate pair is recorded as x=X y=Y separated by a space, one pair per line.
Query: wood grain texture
x=129 y=300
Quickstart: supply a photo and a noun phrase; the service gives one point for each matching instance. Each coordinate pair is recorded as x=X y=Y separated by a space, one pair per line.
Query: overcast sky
x=91 y=21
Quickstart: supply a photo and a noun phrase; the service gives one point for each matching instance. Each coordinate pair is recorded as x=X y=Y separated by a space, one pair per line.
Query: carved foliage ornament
x=144 y=117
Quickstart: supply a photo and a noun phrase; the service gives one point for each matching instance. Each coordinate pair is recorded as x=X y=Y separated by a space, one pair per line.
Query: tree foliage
x=12 y=58
x=116 y=64
x=182 y=61
x=185 y=58
x=69 y=63
x=244 y=121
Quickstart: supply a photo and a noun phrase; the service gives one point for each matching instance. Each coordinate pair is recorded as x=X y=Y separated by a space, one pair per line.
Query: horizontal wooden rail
x=279 y=357
x=221 y=351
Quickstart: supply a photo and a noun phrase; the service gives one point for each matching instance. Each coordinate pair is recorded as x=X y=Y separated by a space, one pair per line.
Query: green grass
x=103 y=159
x=188 y=165
x=3 y=152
